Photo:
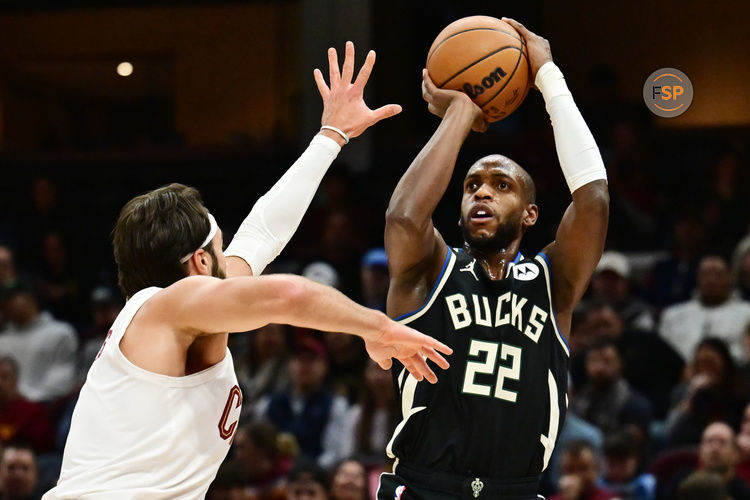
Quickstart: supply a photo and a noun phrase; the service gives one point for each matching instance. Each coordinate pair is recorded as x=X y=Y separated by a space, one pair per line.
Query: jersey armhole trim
x=450 y=259
x=546 y=267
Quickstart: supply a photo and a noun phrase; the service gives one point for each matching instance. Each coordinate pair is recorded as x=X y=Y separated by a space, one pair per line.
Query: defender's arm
x=202 y=305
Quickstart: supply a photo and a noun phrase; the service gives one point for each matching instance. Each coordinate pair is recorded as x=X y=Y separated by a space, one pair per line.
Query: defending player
x=488 y=427
x=160 y=405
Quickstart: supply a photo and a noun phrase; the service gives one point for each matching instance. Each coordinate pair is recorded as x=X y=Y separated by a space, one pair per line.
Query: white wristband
x=337 y=130
x=577 y=151
x=276 y=215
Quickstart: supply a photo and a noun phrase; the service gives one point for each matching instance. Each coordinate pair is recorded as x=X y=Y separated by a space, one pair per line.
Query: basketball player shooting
x=161 y=402
x=488 y=427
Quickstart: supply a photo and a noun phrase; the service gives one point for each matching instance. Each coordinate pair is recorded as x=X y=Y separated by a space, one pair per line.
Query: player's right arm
x=415 y=248
x=201 y=305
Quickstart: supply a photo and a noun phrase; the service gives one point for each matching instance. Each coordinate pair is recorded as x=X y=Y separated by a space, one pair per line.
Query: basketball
x=485 y=58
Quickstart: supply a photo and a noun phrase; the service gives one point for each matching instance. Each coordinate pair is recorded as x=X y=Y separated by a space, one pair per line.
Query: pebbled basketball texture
x=485 y=58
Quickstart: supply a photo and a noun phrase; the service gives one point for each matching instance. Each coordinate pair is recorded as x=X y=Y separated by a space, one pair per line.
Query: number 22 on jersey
x=509 y=369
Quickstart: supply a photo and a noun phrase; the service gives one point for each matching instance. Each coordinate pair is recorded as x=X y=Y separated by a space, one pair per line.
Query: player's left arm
x=277 y=214
x=580 y=237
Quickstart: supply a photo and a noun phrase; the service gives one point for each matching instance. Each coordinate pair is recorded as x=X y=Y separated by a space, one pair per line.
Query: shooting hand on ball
x=439 y=100
x=344 y=106
x=537 y=47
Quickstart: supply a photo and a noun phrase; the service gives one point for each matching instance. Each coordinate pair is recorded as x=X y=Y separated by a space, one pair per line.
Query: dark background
x=222 y=98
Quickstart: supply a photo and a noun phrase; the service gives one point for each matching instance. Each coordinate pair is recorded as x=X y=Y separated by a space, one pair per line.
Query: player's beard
x=216 y=271
x=507 y=231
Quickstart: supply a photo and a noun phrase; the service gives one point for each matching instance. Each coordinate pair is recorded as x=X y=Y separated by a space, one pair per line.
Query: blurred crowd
x=659 y=402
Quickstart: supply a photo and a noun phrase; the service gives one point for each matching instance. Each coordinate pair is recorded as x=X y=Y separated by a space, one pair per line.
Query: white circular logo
x=525 y=272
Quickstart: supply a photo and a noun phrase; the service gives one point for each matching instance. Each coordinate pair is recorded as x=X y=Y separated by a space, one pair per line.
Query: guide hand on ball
x=439 y=100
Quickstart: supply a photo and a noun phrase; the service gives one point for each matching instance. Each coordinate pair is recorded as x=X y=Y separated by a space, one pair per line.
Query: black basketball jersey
x=497 y=411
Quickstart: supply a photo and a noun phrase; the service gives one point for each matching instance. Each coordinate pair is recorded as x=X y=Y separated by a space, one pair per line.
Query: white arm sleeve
x=577 y=151
x=277 y=214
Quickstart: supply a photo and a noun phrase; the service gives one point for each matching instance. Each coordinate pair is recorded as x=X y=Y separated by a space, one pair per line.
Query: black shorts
x=412 y=483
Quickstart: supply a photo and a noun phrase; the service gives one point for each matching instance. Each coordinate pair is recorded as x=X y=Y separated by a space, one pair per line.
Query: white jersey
x=140 y=435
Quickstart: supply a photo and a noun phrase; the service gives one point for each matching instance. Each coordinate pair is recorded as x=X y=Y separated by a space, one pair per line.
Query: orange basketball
x=484 y=57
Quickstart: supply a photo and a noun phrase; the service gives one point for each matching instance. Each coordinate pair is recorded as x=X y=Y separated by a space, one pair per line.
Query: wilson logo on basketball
x=488 y=82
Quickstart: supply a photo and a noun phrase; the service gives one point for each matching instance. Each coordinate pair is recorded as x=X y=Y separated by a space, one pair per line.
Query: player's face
x=494 y=207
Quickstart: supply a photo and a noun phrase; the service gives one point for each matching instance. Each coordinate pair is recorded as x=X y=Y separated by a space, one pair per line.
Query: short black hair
x=620 y=445
x=305 y=468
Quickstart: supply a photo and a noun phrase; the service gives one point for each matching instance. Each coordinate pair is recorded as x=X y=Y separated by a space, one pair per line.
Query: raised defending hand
x=409 y=347
x=537 y=47
x=439 y=100
x=343 y=103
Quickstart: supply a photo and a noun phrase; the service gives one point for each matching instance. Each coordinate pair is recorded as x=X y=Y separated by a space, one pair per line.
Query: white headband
x=211 y=234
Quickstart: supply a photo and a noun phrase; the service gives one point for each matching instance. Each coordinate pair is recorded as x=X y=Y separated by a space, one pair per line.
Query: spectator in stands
x=580 y=469
x=349 y=481
x=743 y=445
x=263 y=369
x=714 y=313
x=375 y=280
x=262 y=463
x=611 y=282
x=20 y=419
x=652 y=367
x=702 y=485
x=18 y=474
x=718 y=453
x=106 y=304
x=713 y=391
x=56 y=280
x=307 y=481
x=574 y=429
x=8 y=275
x=741 y=267
x=724 y=206
x=607 y=400
x=347 y=358
x=672 y=280
x=375 y=416
x=320 y=420
x=622 y=468
x=44 y=347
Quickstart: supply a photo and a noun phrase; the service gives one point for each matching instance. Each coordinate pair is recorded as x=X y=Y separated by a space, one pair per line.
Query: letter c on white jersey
x=226 y=432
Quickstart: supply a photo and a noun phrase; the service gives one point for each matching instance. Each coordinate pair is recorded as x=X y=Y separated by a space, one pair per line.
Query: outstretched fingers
x=412 y=368
x=321 y=83
x=347 y=71
x=333 y=67
x=435 y=357
x=424 y=368
x=384 y=112
x=364 y=73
